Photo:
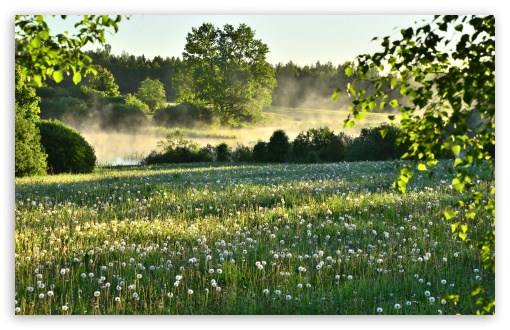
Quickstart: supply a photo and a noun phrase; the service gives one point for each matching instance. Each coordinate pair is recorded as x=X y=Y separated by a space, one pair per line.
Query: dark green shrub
x=65 y=109
x=183 y=115
x=176 y=150
x=278 y=148
x=242 y=153
x=222 y=152
x=260 y=152
x=120 y=117
x=371 y=146
x=68 y=151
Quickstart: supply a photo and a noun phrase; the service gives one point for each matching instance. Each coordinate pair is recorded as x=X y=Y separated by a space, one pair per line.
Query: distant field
x=243 y=239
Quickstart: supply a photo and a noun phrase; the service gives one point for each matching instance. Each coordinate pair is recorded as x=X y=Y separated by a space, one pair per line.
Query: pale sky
x=304 y=39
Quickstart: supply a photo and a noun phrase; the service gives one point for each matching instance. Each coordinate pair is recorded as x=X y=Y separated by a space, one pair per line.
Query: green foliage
x=152 y=93
x=133 y=101
x=67 y=109
x=223 y=152
x=259 y=152
x=319 y=145
x=42 y=55
x=370 y=145
x=68 y=151
x=184 y=115
x=175 y=150
x=120 y=117
x=444 y=90
x=227 y=71
x=278 y=148
x=242 y=153
x=104 y=82
x=30 y=156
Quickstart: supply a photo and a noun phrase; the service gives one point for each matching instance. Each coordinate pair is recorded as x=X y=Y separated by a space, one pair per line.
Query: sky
x=304 y=39
x=296 y=39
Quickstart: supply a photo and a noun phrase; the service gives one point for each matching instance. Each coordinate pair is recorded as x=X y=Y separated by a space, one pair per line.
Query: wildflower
x=211 y=271
x=427 y=293
x=277 y=292
x=265 y=291
x=17 y=309
x=97 y=293
x=218 y=289
x=349 y=277
x=170 y=295
x=41 y=295
x=439 y=312
x=219 y=271
x=138 y=276
x=379 y=309
x=432 y=300
x=443 y=281
x=408 y=303
x=83 y=275
x=49 y=293
x=65 y=308
x=178 y=277
x=397 y=306
x=135 y=295
x=288 y=297
x=299 y=285
x=190 y=291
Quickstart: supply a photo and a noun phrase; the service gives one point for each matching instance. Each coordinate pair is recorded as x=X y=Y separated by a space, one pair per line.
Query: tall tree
x=152 y=93
x=227 y=70
x=446 y=69
x=104 y=82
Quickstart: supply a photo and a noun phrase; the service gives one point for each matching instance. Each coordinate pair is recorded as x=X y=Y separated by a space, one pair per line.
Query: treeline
x=308 y=86
x=316 y=145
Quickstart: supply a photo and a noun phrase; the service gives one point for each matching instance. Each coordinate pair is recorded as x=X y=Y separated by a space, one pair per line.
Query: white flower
x=265 y=291
x=288 y=297
x=300 y=286
x=432 y=300
x=41 y=295
x=397 y=306
x=379 y=309
x=65 y=308
x=427 y=293
x=408 y=303
x=117 y=299
x=439 y=312
x=49 y=293
x=349 y=277
x=190 y=291
x=277 y=292
x=219 y=271
x=443 y=281
x=138 y=275
x=97 y=293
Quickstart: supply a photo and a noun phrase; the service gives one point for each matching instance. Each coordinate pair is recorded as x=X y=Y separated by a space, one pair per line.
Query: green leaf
x=394 y=103
x=456 y=149
x=393 y=82
x=422 y=167
x=58 y=76
x=372 y=105
x=350 y=124
x=335 y=95
x=76 y=78
x=349 y=71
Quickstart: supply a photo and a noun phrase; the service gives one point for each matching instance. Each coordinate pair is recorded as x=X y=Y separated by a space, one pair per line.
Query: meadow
x=241 y=239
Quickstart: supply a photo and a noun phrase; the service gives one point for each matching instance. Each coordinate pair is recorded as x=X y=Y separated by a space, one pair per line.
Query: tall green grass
x=243 y=239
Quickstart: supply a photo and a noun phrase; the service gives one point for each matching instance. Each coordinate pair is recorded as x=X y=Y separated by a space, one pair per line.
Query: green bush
x=222 y=152
x=371 y=146
x=278 y=148
x=120 y=117
x=260 y=152
x=68 y=151
x=242 y=153
x=183 y=115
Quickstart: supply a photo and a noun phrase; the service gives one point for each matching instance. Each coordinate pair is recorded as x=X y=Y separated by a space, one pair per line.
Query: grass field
x=243 y=239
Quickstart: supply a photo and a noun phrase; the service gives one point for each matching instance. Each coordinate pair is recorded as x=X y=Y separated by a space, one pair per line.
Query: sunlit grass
x=242 y=239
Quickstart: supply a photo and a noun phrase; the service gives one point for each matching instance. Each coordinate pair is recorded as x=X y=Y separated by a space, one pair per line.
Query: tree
x=104 y=82
x=30 y=156
x=152 y=93
x=446 y=70
x=227 y=71
x=278 y=147
x=42 y=55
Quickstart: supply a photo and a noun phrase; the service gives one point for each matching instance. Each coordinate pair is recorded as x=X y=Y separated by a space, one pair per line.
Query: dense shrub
x=222 y=152
x=242 y=153
x=68 y=151
x=319 y=145
x=278 y=148
x=30 y=157
x=67 y=109
x=120 y=117
x=175 y=150
x=183 y=115
x=260 y=152
x=371 y=146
